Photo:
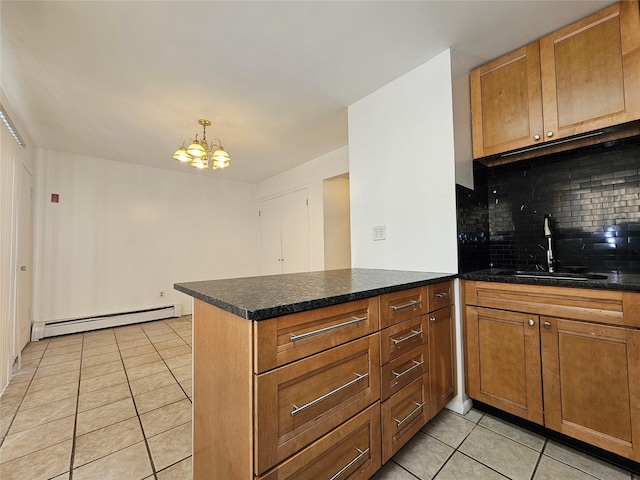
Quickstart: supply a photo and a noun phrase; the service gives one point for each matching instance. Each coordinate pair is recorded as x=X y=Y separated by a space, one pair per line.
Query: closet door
x=284 y=234
x=270 y=235
x=294 y=215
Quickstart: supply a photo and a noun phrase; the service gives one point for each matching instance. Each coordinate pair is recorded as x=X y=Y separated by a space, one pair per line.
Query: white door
x=270 y=235
x=294 y=214
x=284 y=234
x=24 y=281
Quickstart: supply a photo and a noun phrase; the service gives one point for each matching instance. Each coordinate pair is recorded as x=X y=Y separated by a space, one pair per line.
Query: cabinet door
x=503 y=361
x=591 y=72
x=592 y=383
x=506 y=103
x=442 y=355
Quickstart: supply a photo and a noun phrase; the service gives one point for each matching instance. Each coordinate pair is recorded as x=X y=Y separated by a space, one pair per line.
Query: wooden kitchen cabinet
x=298 y=396
x=441 y=361
x=591 y=376
x=579 y=79
x=506 y=103
x=503 y=361
x=566 y=358
x=417 y=360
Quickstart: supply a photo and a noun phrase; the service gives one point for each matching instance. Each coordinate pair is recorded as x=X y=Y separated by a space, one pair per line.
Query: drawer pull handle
x=417 y=409
x=406 y=305
x=361 y=454
x=402 y=374
x=442 y=294
x=414 y=333
x=326 y=329
x=297 y=409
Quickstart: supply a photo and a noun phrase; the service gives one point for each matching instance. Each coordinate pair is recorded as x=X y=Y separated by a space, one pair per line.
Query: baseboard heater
x=53 y=328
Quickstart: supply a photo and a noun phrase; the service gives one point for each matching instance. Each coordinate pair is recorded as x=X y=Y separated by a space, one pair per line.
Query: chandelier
x=200 y=152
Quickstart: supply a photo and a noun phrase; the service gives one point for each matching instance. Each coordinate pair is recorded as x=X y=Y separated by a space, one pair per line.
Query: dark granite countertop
x=629 y=282
x=259 y=298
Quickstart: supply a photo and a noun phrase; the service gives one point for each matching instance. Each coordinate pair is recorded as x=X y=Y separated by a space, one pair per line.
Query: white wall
x=337 y=223
x=402 y=172
x=309 y=175
x=122 y=233
x=12 y=160
x=403 y=158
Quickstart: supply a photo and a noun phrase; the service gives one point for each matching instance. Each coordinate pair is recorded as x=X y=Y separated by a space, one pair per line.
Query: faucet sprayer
x=549 y=237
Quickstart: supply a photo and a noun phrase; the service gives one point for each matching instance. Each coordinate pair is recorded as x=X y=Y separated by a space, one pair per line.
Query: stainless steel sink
x=553 y=275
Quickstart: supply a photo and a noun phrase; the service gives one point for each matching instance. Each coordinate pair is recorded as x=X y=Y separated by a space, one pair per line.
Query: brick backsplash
x=593 y=195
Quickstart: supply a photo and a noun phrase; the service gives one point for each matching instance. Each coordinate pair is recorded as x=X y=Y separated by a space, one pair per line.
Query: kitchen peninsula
x=329 y=371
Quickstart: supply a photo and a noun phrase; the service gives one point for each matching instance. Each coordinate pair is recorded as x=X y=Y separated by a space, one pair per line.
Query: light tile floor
x=116 y=404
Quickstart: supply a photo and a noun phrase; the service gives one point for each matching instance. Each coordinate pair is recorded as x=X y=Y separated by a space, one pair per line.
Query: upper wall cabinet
x=581 y=78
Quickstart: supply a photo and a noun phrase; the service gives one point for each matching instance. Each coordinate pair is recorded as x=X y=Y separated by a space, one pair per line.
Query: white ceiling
x=128 y=80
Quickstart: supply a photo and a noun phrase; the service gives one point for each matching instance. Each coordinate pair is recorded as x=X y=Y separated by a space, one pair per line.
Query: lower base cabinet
x=566 y=360
x=328 y=393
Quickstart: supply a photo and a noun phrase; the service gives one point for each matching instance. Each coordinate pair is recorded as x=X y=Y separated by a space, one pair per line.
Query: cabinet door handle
x=536 y=137
x=547 y=325
x=361 y=453
x=326 y=329
x=402 y=374
x=406 y=305
x=297 y=409
x=531 y=322
x=397 y=341
x=549 y=133
x=442 y=294
x=416 y=410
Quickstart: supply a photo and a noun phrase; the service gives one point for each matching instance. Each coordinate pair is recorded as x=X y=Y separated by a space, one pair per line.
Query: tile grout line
x=535 y=468
x=23 y=396
x=75 y=419
x=135 y=406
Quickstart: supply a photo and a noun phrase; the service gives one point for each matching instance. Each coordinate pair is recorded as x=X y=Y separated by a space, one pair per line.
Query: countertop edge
x=295 y=307
x=617 y=282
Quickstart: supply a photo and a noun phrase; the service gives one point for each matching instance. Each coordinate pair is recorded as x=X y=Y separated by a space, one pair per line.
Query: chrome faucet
x=548 y=234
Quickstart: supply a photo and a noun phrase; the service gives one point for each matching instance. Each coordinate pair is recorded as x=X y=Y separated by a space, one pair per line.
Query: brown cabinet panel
x=402 y=338
x=403 y=415
x=591 y=375
x=503 y=361
x=398 y=306
x=298 y=403
x=401 y=371
x=589 y=74
x=506 y=105
x=353 y=448
x=442 y=365
x=440 y=295
x=282 y=340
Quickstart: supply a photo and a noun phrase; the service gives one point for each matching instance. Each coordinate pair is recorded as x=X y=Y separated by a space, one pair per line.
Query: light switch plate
x=379 y=232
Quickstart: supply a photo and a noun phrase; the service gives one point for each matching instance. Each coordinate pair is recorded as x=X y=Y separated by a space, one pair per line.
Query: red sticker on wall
x=55 y=198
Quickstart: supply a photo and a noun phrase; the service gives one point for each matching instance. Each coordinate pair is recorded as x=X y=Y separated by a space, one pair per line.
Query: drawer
x=350 y=452
x=398 y=306
x=288 y=338
x=401 y=371
x=298 y=403
x=403 y=415
x=440 y=295
x=403 y=337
